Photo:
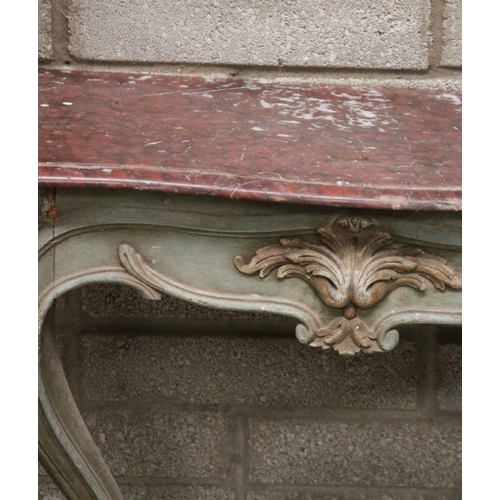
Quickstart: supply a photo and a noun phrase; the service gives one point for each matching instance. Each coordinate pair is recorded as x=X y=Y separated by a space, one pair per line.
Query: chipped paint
x=48 y=208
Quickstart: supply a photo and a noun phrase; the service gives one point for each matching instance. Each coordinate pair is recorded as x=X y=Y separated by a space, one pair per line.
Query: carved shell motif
x=354 y=267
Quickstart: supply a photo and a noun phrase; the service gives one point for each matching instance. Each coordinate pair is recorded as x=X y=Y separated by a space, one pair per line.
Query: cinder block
x=449 y=394
x=358 y=454
x=44 y=30
x=231 y=370
x=134 y=492
x=336 y=494
x=190 y=493
x=49 y=491
x=328 y=33
x=169 y=445
x=119 y=301
x=452 y=33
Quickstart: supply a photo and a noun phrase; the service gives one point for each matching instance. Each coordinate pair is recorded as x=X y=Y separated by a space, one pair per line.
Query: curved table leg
x=66 y=449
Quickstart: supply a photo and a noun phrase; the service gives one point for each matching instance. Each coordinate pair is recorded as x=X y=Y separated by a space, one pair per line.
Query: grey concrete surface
x=113 y=300
x=276 y=419
x=328 y=33
x=190 y=493
x=452 y=34
x=349 y=494
x=49 y=491
x=449 y=372
x=169 y=445
x=231 y=370
x=357 y=454
x=44 y=31
x=400 y=82
x=134 y=493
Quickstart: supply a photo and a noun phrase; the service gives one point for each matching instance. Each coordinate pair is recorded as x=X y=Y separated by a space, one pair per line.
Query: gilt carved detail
x=354 y=267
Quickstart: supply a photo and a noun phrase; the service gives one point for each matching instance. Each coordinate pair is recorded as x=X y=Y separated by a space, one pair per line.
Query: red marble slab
x=287 y=142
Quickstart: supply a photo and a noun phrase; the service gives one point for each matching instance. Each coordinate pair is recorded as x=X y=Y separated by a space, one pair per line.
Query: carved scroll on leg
x=353 y=268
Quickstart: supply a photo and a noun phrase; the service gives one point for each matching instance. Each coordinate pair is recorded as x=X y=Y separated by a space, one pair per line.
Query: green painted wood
x=185 y=246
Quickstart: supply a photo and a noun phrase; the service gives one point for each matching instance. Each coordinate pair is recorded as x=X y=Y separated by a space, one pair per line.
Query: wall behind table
x=409 y=41
x=192 y=403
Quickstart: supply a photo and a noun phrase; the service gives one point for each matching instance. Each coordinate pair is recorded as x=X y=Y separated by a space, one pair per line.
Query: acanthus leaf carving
x=354 y=267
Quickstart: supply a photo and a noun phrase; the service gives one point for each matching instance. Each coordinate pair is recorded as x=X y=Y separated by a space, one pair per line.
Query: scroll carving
x=354 y=267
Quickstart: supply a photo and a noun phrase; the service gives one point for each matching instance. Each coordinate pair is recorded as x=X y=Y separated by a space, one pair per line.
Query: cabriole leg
x=66 y=449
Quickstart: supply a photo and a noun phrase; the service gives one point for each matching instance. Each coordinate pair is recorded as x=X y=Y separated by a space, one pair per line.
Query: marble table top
x=290 y=142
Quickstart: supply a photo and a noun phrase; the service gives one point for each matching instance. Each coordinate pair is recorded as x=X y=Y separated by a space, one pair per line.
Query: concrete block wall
x=414 y=36
x=44 y=29
x=452 y=34
x=190 y=403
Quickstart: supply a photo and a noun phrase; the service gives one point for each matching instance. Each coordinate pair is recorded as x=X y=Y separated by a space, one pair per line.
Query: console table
x=337 y=206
